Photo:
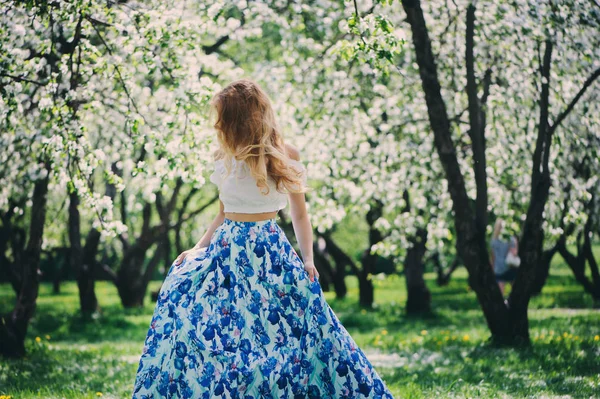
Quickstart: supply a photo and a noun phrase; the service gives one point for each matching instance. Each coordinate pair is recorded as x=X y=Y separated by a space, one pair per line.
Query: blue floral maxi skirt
x=241 y=319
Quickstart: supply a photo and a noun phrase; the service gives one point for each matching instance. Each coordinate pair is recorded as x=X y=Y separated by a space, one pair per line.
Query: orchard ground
x=442 y=356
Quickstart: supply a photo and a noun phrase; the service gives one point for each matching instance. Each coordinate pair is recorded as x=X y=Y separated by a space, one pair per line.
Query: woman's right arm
x=205 y=240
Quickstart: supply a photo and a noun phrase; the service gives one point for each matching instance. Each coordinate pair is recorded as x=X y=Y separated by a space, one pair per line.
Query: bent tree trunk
x=13 y=326
x=578 y=262
x=338 y=271
x=341 y=260
x=132 y=278
x=443 y=274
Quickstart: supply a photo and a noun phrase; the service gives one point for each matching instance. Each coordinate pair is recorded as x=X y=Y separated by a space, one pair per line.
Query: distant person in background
x=505 y=260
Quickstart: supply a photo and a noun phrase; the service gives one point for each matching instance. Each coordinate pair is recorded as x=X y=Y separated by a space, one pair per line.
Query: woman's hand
x=182 y=257
x=311 y=270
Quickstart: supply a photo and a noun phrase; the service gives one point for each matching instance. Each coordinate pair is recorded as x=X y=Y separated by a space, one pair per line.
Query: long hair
x=498 y=228
x=247 y=131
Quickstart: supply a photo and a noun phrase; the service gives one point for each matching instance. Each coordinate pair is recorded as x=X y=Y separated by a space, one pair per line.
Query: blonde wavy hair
x=247 y=131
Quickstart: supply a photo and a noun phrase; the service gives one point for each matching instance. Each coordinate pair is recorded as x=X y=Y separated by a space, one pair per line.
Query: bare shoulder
x=292 y=152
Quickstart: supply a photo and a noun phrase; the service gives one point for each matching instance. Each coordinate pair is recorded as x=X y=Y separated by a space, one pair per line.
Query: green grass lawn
x=442 y=356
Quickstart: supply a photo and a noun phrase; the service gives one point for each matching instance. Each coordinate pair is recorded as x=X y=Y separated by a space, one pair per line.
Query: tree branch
x=23 y=79
x=561 y=117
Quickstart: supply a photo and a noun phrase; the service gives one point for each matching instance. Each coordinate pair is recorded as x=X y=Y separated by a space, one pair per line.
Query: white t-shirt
x=240 y=194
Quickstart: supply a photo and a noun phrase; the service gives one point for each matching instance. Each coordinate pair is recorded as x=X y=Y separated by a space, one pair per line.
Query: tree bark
x=13 y=326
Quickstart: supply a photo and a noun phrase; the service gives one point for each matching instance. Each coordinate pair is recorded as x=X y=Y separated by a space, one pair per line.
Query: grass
x=442 y=356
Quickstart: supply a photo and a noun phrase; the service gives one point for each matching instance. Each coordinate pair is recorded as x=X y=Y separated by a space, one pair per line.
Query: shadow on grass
x=112 y=324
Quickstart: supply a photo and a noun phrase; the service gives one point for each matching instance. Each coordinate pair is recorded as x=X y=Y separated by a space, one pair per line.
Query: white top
x=240 y=194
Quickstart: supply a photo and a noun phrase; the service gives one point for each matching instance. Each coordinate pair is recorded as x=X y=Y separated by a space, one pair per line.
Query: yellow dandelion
x=384 y=332
x=466 y=337
x=423 y=332
x=99 y=394
x=47 y=337
x=565 y=335
x=38 y=339
x=597 y=338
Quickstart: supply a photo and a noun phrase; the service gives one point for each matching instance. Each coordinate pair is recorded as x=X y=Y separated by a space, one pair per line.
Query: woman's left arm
x=301 y=222
x=303 y=231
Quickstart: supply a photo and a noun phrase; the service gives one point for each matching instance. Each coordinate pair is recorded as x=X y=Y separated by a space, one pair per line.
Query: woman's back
x=239 y=192
x=500 y=249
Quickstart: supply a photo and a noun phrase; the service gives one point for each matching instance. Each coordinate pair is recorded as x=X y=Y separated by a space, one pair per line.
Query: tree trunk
x=366 y=292
x=419 y=297
x=323 y=265
x=471 y=242
x=131 y=283
x=577 y=262
x=84 y=271
x=56 y=270
x=544 y=270
x=443 y=276
x=15 y=237
x=508 y=324
x=13 y=326
x=369 y=259
x=589 y=253
x=339 y=281
x=341 y=260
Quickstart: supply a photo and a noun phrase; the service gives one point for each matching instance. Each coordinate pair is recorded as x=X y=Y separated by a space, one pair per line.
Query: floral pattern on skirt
x=241 y=319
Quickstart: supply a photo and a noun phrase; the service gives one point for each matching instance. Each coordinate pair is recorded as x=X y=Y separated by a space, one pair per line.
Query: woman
x=500 y=249
x=240 y=315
